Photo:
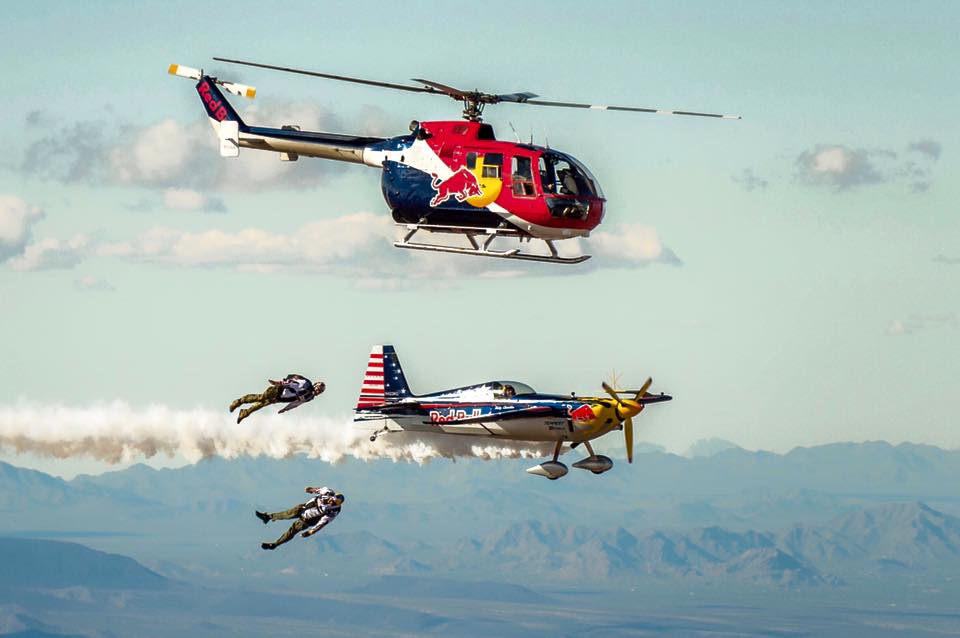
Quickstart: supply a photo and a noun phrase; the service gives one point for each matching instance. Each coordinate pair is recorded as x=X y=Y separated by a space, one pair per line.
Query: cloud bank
x=171 y=155
x=843 y=168
x=357 y=245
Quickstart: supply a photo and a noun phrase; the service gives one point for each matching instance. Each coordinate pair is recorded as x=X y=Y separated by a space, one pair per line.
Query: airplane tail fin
x=383 y=382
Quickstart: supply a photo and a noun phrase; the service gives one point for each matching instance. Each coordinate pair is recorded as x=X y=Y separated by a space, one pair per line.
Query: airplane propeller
x=626 y=409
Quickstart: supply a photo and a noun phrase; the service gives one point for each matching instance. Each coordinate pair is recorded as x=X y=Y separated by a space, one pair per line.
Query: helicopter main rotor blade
x=330 y=76
x=520 y=98
x=631 y=109
x=443 y=88
x=473 y=98
x=487 y=98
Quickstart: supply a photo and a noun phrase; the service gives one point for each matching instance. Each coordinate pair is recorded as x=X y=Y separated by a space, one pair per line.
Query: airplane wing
x=520 y=413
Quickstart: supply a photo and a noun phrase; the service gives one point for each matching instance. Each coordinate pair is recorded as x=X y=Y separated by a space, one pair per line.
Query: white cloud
x=90 y=283
x=17 y=218
x=155 y=155
x=631 y=245
x=838 y=166
x=189 y=200
x=360 y=245
x=326 y=244
x=844 y=168
x=917 y=323
x=51 y=254
x=170 y=154
x=898 y=328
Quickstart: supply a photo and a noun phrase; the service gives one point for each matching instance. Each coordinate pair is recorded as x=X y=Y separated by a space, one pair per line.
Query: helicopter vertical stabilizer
x=218 y=108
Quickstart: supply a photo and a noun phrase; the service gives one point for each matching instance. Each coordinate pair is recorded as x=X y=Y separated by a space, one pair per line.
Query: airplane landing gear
x=374 y=435
x=551 y=469
x=596 y=463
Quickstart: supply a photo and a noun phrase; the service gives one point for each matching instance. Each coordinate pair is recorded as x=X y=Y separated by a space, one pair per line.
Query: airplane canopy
x=518 y=387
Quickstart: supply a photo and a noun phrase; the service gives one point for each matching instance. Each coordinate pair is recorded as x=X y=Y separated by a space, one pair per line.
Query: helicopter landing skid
x=482 y=248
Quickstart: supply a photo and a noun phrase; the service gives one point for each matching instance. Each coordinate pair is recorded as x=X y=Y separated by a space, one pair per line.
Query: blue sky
x=817 y=294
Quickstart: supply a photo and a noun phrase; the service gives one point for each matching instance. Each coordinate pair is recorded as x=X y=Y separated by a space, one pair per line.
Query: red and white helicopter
x=450 y=177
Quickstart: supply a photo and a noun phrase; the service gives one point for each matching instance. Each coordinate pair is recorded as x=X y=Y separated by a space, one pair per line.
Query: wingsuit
x=313 y=515
x=294 y=390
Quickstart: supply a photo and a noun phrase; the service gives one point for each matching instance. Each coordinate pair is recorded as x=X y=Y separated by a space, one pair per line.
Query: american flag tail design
x=383 y=381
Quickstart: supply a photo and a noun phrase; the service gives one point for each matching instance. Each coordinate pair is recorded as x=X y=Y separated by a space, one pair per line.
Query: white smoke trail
x=118 y=433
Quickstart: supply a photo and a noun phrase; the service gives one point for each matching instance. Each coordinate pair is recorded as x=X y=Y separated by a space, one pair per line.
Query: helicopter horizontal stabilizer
x=241 y=90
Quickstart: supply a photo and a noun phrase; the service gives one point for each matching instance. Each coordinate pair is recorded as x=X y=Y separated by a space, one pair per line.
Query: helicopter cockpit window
x=492 y=164
x=565 y=176
x=522 y=177
x=471 y=161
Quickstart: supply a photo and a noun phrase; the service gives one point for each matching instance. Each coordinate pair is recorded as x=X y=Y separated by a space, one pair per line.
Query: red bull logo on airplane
x=583 y=413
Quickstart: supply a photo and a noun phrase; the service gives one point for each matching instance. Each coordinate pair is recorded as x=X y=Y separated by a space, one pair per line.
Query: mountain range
x=812 y=517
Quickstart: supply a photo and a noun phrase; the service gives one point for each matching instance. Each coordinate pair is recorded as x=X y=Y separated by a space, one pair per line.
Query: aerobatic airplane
x=500 y=409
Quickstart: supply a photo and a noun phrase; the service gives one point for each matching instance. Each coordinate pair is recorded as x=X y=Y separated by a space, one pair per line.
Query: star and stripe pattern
x=383 y=381
x=372 y=389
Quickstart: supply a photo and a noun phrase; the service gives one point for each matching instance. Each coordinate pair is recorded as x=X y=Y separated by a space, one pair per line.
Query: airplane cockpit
x=509 y=389
x=491 y=390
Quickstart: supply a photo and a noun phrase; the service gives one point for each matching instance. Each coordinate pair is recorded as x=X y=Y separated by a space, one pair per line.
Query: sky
x=792 y=278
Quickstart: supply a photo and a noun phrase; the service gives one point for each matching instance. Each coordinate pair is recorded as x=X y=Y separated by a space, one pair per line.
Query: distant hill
x=709 y=447
x=54 y=564
x=419 y=587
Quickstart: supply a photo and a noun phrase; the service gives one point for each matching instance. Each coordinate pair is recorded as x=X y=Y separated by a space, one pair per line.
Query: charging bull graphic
x=461 y=185
x=582 y=414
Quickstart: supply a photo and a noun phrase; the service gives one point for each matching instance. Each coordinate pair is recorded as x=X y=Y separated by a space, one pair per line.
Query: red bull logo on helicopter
x=214 y=106
x=461 y=185
x=453 y=414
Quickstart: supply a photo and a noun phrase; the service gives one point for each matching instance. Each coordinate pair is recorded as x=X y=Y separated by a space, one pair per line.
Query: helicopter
x=444 y=177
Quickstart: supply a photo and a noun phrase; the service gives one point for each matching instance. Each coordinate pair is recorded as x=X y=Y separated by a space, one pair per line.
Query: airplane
x=500 y=410
x=445 y=177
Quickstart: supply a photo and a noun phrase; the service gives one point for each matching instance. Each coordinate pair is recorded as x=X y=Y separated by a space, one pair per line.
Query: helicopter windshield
x=561 y=174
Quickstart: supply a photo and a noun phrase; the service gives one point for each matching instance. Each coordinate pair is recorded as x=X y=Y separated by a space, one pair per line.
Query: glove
x=307 y=534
